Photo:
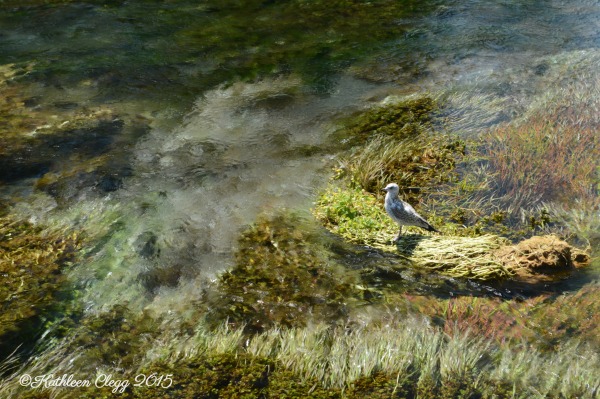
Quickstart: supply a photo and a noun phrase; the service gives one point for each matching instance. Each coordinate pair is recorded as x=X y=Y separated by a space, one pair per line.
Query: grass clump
x=395 y=142
x=417 y=165
x=280 y=278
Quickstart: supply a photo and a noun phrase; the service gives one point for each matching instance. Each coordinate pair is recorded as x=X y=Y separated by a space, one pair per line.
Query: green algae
x=280 y=277
x=38 y=136
x=33 y=261
x=399 y=120
x=189 y=47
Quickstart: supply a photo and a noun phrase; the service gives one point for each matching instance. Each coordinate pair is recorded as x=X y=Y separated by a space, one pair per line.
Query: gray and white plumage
x=402 y=212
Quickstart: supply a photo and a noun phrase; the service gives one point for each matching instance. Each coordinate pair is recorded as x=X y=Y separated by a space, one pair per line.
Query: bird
x=402 y=212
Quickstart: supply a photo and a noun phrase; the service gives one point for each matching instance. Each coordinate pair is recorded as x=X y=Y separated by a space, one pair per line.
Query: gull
x=402 y=212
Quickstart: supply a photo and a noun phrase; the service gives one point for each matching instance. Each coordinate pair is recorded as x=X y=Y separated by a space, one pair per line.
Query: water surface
x=215 y=114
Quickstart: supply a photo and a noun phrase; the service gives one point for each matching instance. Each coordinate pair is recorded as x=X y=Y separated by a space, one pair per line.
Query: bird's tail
x=431 y=228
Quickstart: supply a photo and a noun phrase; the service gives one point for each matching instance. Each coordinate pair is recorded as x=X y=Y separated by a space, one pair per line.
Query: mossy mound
x=32 y=261
x=115 y=338
x=359 y=218
x=280 y=278
x=542 y=258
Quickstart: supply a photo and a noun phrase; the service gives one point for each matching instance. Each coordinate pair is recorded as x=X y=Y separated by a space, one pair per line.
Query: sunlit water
x=222 y=152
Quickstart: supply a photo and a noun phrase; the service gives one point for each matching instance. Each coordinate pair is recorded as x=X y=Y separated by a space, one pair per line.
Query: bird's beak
x=384 y=189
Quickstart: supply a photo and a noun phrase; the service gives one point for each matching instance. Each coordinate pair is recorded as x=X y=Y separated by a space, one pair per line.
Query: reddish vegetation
x=544 y=160
x=544 y=321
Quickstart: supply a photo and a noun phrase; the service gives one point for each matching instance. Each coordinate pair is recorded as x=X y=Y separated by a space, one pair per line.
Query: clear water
x=235 y=119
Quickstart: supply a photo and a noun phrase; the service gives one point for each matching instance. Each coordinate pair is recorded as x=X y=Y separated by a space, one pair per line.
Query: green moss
x=355 y=215
x=234 y=376
x=280 y=278
x=115 y=338
x=398 y=120
x=32 y=265
x=381 y=386
x=286 y=385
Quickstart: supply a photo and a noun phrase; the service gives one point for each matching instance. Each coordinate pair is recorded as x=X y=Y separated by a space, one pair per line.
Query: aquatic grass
x=34 y=260
x=468 y=112
x=519 y=157
x=560 y=374
x=402 y=354
x=306 y=352
x=174 y=345
x=414 y=163
x=462 y=363
x=571 y=92
x=489 y=318
x=580 y=218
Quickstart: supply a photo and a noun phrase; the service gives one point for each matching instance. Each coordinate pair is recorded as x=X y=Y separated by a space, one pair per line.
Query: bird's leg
x=399 y=235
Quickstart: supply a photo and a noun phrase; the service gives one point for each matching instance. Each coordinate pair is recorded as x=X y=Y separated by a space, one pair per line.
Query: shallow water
x=231 y=128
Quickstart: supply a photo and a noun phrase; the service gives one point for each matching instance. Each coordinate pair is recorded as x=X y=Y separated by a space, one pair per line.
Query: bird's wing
x=404 y=211
x=399 y=210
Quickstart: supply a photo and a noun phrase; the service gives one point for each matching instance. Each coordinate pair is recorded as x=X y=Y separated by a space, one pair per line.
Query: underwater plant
x=280 y=277
x=33 y=262
x=519 y=156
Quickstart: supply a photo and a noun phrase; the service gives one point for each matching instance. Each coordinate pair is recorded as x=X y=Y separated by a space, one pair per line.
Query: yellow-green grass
x=391 y=357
